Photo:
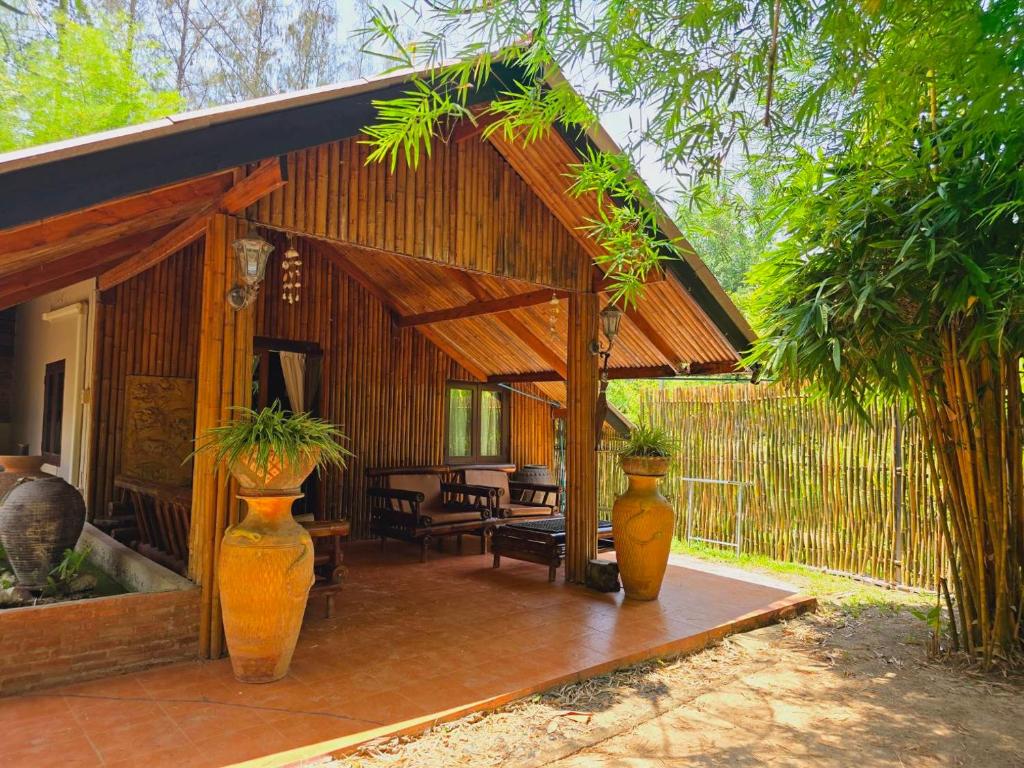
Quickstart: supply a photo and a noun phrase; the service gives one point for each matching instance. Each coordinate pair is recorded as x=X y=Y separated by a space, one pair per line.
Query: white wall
x=56 y=326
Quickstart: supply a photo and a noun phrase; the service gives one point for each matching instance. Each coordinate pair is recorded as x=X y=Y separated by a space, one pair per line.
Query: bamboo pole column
x=223 y=381
x=581 y=443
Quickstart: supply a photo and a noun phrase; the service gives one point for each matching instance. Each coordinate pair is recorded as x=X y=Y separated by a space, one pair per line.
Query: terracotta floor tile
x=408 y=640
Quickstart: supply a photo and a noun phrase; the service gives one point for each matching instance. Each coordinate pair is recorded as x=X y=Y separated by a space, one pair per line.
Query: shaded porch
x=410 y=645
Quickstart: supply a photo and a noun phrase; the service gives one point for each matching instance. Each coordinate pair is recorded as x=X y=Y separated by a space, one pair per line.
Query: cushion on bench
x=440 y=517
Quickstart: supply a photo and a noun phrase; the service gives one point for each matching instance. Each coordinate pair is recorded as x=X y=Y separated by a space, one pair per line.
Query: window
x=477 y=423
x=53 y=411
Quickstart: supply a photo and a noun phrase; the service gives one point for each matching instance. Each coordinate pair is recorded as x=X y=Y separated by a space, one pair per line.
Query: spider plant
x=649 y=440
x=272 y=431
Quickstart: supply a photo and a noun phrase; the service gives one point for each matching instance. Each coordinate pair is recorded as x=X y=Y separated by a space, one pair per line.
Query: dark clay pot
x=38 y=521
x=534 y=473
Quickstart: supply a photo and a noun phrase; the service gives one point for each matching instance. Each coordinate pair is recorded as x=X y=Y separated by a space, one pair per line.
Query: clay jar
x=38 y=521
x=642 y=520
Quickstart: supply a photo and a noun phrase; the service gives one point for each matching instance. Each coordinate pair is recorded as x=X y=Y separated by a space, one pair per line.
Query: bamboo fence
x=825 y=488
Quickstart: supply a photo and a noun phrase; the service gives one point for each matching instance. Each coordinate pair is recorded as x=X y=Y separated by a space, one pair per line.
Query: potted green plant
x=272 y=450
x=643 y=519
x=266 y=560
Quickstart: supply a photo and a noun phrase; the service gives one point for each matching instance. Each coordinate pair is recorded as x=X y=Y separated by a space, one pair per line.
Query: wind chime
x=291 y=265
x=553 y=308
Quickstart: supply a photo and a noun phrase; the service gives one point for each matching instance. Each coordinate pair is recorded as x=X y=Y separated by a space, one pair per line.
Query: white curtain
x=293 y=365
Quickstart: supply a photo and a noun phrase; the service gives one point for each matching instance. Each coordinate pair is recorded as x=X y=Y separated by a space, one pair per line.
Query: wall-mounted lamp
x=611 y=320
x=251 y=254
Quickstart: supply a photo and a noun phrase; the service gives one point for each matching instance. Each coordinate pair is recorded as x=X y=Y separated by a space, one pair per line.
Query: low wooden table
x=328 y=569
x=540 y=541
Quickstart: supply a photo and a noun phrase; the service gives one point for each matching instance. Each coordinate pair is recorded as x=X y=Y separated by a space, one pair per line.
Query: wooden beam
x=488 y=307
x=581 y=437
x=55 y=237
x=83 y=265
x=338 y=256
x=270 y=175
x=647 y=329
x=223 y=381
x=514 y=325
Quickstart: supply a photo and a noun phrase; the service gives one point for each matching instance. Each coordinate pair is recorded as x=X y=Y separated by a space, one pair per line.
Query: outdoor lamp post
x=251 y=254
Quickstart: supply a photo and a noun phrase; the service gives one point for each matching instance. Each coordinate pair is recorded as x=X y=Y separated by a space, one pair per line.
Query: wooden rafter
x=643 y=325
x=270 y=175
x=79 y=266
x=514 y=324
x=51 y=239
x=342 y=259
x=489 y=307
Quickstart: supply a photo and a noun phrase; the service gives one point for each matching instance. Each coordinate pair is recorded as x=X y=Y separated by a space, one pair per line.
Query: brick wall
x=64 y=642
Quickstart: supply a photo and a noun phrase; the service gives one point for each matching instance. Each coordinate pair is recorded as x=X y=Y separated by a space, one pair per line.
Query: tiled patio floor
x=410 y=643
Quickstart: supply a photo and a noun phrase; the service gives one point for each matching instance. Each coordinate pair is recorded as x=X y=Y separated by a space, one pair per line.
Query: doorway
x=290 y=372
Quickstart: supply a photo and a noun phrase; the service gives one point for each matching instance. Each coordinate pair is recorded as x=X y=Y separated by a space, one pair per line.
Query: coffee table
x=541 y=541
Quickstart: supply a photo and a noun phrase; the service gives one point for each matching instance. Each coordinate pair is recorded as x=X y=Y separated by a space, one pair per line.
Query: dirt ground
x=850 y=686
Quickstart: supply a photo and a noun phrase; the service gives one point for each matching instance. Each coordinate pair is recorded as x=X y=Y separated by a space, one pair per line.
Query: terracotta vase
x=38 y=521
x=642 y=520
x=18 y=469
x=266 y=570
x=22 y=464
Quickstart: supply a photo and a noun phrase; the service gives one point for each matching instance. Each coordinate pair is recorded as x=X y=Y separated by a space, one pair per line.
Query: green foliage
x=730 y=227
x=85 y=79
x=891 y=245
x=649 y=440
x=70 y=565
x=761 y=78
x=293 y=437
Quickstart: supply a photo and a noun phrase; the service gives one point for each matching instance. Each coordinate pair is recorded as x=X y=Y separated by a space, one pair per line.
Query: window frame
x=54 y=383
x=476 y=411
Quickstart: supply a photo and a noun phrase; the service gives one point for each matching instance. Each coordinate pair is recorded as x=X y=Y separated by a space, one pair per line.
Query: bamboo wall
x=464 y=206
x=824 y=488
x=385 y=386
x=149 y=326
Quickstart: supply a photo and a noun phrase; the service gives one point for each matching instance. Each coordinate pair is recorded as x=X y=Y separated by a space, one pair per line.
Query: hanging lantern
x=291 y=266
x=251 y=254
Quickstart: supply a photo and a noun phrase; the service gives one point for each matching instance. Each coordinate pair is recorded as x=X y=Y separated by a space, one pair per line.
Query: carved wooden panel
x=159 y=424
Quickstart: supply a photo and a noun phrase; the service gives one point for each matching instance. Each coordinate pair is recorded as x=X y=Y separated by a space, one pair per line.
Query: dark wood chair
x=329 y=570
x=516 y=500
x=415 y=505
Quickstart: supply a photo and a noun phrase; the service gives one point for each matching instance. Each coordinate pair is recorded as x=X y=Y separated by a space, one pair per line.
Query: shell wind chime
x=553 y=308
x=291 y=265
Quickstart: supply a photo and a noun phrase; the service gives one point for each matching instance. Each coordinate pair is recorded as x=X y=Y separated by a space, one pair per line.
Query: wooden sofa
x=421 y=504
x=515 y=500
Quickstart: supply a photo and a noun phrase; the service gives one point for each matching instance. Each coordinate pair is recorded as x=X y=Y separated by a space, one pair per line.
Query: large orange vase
x=642 y=520
x=266 y=570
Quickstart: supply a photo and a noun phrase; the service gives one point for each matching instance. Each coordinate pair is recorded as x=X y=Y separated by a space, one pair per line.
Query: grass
x=837 y=592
